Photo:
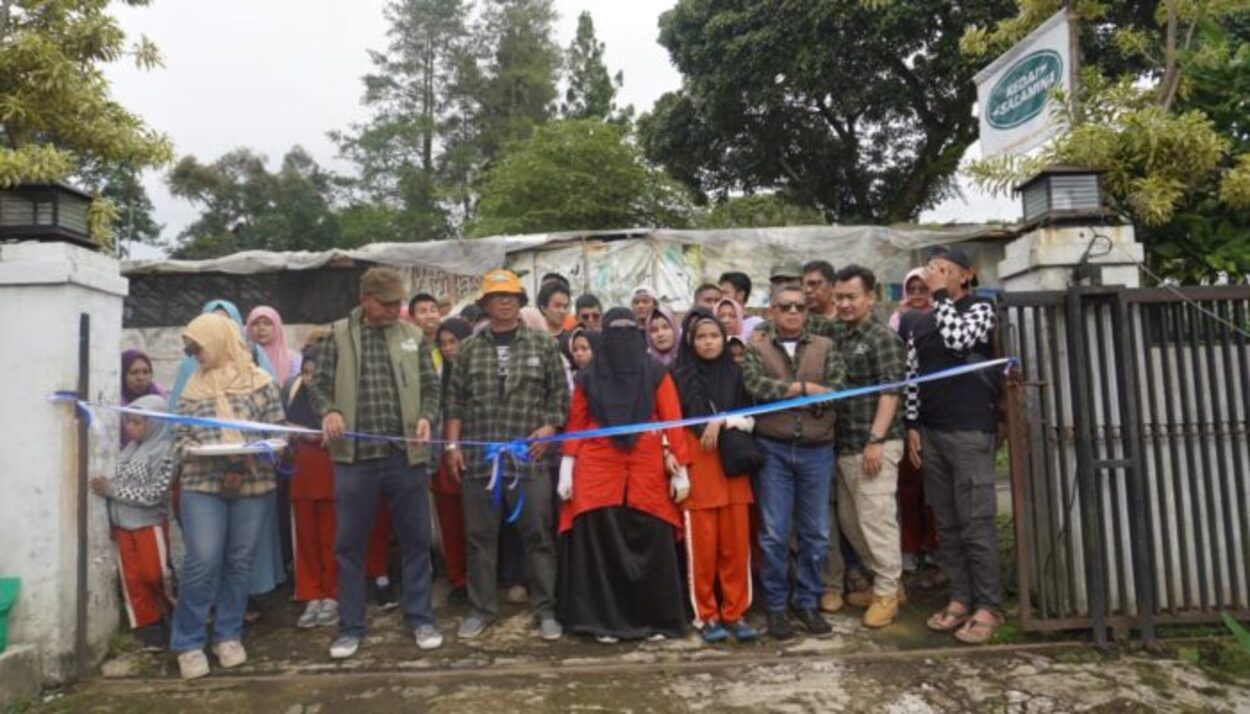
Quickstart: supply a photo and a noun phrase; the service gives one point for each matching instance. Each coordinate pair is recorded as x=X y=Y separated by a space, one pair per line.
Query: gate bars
x=1129 y=454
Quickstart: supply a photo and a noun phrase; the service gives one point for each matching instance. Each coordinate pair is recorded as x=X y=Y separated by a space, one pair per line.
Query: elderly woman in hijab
x=138 y=505
x=265 y=330
x=663 y=336
x=227 y=500
x=718 y=541
x=619 y=524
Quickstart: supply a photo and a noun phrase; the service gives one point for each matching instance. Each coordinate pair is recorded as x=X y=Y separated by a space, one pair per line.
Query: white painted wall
x=44 y=287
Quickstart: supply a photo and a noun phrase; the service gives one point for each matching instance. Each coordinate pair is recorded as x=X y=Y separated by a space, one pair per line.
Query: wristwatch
x=873 y=439
x=451 y=446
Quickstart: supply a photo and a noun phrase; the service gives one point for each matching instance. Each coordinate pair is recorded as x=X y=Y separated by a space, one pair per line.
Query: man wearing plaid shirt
x=869 y=442
x=508 y=383
x=375 y=376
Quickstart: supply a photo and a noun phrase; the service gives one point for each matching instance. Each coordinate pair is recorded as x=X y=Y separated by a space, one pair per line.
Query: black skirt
x=619 y=576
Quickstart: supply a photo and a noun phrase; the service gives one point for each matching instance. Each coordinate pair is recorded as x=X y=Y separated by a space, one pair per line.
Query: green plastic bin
x=8 y=596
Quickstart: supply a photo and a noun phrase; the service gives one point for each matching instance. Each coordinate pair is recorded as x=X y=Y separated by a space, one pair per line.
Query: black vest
x=968 y=402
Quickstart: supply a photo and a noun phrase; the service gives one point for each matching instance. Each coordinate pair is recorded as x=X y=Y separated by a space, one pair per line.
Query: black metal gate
x=1129 y=455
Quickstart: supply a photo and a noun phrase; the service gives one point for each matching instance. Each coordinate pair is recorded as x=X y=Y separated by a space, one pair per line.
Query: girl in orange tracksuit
x=717 y=520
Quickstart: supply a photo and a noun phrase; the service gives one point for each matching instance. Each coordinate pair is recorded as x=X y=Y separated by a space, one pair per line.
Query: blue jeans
x=793 y=488
x=220 y=536
x=357 y=488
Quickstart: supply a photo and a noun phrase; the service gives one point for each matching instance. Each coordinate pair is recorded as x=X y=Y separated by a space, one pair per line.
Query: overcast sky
x=269 y=74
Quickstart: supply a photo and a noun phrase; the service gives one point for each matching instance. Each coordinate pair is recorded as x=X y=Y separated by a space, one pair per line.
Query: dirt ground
x=902 y=669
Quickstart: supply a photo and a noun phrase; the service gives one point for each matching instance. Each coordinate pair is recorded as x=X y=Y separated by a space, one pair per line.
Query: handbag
x=739 y=454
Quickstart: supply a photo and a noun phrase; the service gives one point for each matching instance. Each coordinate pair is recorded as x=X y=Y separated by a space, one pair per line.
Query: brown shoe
x=831 y=601
x=882 y=611
x=859 y=598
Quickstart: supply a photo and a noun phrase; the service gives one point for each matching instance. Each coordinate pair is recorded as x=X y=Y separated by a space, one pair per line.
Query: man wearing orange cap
x=508 y=383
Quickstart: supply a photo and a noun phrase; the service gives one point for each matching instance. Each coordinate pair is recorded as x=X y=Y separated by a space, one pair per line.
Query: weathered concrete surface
x=20 y=674
x=510 y=670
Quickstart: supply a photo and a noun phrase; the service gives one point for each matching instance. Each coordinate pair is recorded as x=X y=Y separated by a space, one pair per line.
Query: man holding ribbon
x=952 y=427
x=507 y=384
x=376 y=377
x=793 y=486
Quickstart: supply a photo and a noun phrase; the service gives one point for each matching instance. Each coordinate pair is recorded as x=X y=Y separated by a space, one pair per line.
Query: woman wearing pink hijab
x=732 y=317
x=915 y=296
x=264 y=326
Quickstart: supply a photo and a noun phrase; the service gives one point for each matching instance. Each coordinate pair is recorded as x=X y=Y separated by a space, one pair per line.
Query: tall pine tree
x=397 y=150
x=518 y=90
x=590 y=91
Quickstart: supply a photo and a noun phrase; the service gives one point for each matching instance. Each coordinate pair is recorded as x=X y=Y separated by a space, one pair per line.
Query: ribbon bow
x=495 y=453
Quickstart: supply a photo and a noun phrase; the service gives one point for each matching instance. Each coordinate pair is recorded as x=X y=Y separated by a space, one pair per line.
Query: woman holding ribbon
x=619 y=576
x=225 y=499
x=717 y=514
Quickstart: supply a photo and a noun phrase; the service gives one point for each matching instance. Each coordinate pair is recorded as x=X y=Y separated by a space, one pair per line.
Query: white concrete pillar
x=1044 y=258
x=44 y=289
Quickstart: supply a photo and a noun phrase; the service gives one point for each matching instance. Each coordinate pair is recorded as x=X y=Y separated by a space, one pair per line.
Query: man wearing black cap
x=952 y=425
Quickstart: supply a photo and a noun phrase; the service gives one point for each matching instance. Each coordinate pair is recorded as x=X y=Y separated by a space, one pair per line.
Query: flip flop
x=978 y=632
x=955 y=619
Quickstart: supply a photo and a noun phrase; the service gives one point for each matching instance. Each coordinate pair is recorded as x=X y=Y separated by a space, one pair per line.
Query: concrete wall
x=44 y=288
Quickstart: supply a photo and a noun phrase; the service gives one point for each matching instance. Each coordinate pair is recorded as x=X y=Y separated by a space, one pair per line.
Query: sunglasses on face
x=191 y=349
x=588 y=316
x=791 y=307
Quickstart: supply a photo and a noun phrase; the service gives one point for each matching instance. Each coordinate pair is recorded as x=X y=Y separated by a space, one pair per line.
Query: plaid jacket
x=536 y=393
x=873 y=354
x=204 y=474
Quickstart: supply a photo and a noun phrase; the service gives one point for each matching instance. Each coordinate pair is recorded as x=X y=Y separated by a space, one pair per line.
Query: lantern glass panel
x=73 y=214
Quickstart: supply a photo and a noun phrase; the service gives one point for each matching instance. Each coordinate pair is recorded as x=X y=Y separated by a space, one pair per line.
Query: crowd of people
x=420 y=418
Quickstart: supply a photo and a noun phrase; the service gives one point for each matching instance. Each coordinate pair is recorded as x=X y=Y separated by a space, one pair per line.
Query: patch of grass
x=120 y=644
x=21 y=706
x=1009 y=633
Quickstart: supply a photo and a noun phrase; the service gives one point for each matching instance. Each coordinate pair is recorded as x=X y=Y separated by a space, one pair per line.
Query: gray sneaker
x=329 y=614
x=471 y=627
x=549 y=629
x=311 y=612
x=428 y=637
x=344 y=646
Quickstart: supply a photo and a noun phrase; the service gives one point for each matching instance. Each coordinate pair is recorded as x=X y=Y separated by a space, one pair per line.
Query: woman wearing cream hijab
x=224 y=498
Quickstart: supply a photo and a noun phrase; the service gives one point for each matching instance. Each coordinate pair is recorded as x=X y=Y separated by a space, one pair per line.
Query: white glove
x=679 y=485
x=564 y=487
x=741 y=423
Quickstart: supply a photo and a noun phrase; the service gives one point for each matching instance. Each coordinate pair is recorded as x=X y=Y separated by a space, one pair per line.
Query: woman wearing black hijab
x=717 y=514
x=446 y=488
x=619 y=576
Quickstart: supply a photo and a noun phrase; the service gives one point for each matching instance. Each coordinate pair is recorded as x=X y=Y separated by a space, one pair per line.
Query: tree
x=577 y=174
x=760 y=210
x=517 y=90
x=862 y=112
x=1169 y=130
x=133 y=221
x=245 y=207
x=591 y=91
x=408 y=93
x=56 y=115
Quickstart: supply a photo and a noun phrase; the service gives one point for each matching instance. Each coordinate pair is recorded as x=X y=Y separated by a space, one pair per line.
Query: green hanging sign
x=1021 y=93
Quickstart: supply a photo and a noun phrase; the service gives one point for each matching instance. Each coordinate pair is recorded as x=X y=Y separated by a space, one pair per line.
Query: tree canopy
x=577 y=174
x=862 y=112
x=57 y=116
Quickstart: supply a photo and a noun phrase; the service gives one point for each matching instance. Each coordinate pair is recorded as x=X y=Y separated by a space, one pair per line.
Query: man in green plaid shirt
x=508 y=383
x=869 y=442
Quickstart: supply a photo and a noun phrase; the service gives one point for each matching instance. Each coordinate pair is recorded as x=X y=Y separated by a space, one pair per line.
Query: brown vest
x=809 y=425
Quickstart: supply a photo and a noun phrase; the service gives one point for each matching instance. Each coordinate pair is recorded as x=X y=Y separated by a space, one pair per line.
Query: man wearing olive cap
x=375 y=376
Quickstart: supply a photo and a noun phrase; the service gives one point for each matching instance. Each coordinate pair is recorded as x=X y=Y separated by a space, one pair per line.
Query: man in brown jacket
x=793 y=486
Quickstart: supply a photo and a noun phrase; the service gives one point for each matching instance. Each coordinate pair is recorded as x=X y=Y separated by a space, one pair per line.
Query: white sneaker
x=193 y=664
x=344 y=646
x=329 y=614
x=428 y=637
x=230 y=654
x=312 y=612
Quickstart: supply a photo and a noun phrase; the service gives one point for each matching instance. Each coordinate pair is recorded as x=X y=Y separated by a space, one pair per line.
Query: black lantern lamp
x=45 y=212
x=1064 y=195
